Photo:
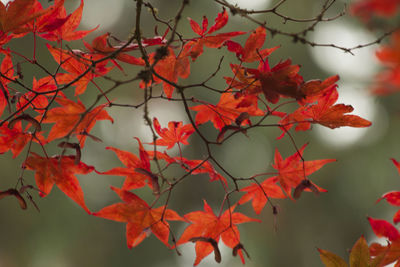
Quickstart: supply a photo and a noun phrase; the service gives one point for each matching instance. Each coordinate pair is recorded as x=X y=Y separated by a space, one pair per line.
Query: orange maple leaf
x=292 y=170
x=227 y=110
x=137 y=171
x=170 y=67
x=214 y=41
x=77 y=65
x=324 y=113
x=252 y=49
x=207 y=226
x=14 y=139
x=61 y=26
x=60 y=171
x=102 y=46
x=141 y=219
x=175 y=133
x=260 y=193
x=17 y=13
x=67 y=118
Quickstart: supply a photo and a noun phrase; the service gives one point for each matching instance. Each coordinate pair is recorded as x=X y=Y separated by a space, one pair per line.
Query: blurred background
x=63 y=235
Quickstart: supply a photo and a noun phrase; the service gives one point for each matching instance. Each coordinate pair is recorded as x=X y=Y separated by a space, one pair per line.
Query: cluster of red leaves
x=239 y=104
x=388 y=80
x=365 y=9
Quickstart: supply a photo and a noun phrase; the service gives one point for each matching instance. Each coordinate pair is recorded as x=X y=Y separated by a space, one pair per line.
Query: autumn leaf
x=260 y=193
x=67 y=118
x=252 y=49
x=383 y=228
x=175 y=133
x=388 y=80
x=37 y=99
x=227 y=110
x=17 y=13
x=76 y=66
x=102 y=46
x=330 y=259
x=206 y=224
x=14 y=139
x=325 y=112
x=213 y=41
x=59 y=170
x=359 y=257
x=62 y=26
x=141 y=219
x=367 y=8
x=292 y=170
x=170 y=67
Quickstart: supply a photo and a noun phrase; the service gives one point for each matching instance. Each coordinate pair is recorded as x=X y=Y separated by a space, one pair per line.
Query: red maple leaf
x=36 y=98
x=60 y=26
x=260 y=193
x=14 y=139
x=252 y=49
x=325 y=113
x=227 y=110
x=77 y=65
x=175 y=133
x=137 y=170
x=60 y=171
x=102 y=46
x=207 y=226
x=141 y=219
x=67 y=118
x=205 y=39
x=17 y=13
x=292 y=170
x=170 y=67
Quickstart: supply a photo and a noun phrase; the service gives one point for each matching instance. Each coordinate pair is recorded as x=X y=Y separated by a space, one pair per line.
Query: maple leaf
x=292 y=170
x=17 y=13
x=175 y=133
x=227 y=110
x=324 y=113
x=359 y=257
x=260 y=193
x=67 y=118
x=206 y=225
x=140 y=218
x=214 y=41
x=170 y=67
x=60 y=26
x=38 y=102
x=76 y=66
x=14 y=139
x=102 y=46
x=281 y=80
x=252 y=49
x=59 y=170
x=137 y=171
